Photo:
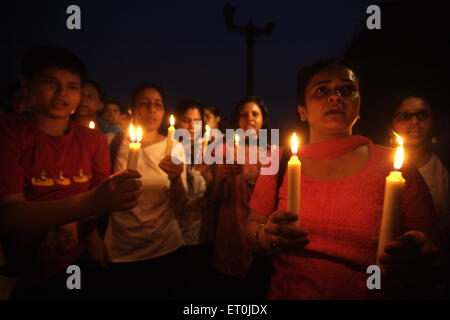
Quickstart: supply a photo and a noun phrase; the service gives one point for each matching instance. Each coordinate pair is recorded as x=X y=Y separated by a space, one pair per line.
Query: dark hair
x=145 y=86
x=98 y=88
x=45 y=56
x=306 y=73
x=240 y=105
x=213 y=109
x=112 y=102
x=395 y=100
x=184 y=105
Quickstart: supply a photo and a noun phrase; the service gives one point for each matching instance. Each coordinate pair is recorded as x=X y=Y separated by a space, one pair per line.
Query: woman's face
x=412 y=121
x=251 y=117
x=90 y=101
x=210 y=119
x=149 y=109
x=187 y=121
x=111 y=113
x=331 y=102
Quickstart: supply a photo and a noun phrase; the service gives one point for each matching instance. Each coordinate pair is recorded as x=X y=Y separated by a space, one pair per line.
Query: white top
x=436 y=177
x=191 y=212
x=150 y=229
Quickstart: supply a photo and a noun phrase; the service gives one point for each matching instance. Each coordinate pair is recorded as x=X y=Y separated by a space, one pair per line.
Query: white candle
x=294 y=172
x=170 y=132
x=393 y=194
x=134 y=147
x=206 y=137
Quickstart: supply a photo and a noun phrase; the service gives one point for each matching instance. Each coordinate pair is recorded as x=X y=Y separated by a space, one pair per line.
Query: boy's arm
x=119 y=192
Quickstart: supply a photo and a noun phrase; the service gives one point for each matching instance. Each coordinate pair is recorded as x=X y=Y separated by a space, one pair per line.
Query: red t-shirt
x=45 y=167
x=343 y=218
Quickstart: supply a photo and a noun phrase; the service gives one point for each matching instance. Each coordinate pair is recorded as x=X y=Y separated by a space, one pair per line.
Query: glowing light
x=294 y=143
x=92 y=125
x=139 y=134
x=236 y=140
x=132 y=133
x=399 y=154
x=172 y=120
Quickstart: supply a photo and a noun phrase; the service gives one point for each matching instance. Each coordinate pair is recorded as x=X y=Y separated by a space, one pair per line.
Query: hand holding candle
x=134 y=147
x=170 y=132
x=294 y=172
x=395 y=184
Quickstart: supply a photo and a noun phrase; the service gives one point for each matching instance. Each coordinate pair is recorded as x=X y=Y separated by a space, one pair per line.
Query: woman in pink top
x=232 y=187
x=342 y=188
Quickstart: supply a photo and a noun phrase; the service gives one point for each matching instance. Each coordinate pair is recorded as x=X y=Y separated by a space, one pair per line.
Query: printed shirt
x=43 y=168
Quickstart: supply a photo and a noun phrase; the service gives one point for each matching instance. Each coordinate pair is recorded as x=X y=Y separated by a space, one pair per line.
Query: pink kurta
x=343 y=218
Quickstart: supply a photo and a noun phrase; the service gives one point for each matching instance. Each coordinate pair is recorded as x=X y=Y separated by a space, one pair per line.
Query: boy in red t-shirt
x=53 y=172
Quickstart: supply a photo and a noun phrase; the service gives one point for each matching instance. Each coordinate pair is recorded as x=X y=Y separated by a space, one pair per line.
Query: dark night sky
x=184 y=45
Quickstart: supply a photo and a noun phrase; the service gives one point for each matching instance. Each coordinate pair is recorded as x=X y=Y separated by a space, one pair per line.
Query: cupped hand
x=173 y=170
x=281 y=233
x=411 y=247
x=412 y=258
x=119 y=191
x=223 y=171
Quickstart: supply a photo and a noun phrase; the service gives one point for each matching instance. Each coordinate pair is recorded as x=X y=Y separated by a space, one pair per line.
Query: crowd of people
x=195 y=230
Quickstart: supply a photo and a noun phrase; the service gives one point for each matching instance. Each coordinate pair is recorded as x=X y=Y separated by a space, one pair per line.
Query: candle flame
x=207 y=128
x=139 y=134
x=236 y=140
x=129 y=112
x=132 y=134
x=294 y=143
x=399 y=154
x=92 y=125
x=172 y=120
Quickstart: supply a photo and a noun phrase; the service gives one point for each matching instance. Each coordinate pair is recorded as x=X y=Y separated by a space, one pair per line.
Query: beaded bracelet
x=260 y=248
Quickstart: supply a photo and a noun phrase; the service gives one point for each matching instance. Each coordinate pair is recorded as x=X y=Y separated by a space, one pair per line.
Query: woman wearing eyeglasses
x=412 y=118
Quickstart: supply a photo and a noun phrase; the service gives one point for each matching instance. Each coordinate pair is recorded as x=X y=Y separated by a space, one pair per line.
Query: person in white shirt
x=413 y=121
x=143 y=245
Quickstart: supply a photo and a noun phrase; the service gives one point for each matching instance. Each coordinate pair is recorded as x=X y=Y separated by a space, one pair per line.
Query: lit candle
x=92 y=125
x=393 y=193
x=206 y=137
x=294 y=172
x=236 y=145
x=170 y=132
x=134 y=147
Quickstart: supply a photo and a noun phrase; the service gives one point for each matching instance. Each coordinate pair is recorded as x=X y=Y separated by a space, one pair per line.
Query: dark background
x=185 y=47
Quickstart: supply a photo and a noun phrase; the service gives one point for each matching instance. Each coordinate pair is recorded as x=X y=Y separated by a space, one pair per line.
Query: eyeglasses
x=405 y=116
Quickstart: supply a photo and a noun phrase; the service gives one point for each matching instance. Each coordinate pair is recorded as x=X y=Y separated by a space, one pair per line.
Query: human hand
x=223 y=171
x=410 y=255
x=281 y=233
x=173 y=170
x=120 y=191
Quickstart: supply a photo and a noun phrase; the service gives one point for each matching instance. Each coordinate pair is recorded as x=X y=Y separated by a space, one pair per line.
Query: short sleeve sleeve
x=101 y=166
x=12 y=174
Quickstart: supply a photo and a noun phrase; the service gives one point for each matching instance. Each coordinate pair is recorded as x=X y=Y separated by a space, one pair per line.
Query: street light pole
x=251 y=33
